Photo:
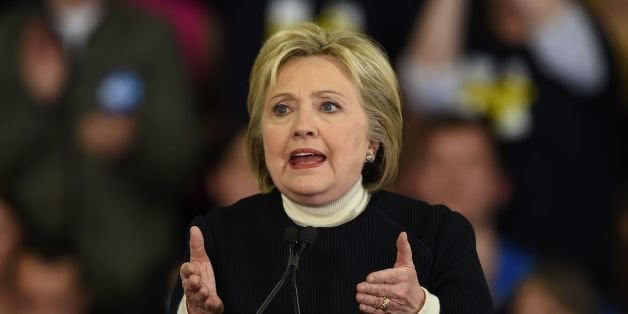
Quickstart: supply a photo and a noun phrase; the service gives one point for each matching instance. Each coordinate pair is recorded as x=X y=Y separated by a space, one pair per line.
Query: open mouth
x=305 y=158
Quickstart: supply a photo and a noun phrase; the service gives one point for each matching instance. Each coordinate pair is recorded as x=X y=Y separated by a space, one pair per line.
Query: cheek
x=351 y=149
x=273 y=144
x=353 y=137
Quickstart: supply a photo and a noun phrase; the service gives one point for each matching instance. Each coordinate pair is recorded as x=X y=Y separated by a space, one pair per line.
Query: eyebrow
x=320 y=93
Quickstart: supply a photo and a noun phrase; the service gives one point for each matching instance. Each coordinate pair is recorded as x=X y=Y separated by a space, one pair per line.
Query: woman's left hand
x=393 y=290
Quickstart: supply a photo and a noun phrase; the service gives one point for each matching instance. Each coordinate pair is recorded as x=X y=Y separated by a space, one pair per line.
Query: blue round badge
x=120 y=91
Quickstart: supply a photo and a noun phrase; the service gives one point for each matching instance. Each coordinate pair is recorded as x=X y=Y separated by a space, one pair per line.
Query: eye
x=281 y=110
x=329 y=106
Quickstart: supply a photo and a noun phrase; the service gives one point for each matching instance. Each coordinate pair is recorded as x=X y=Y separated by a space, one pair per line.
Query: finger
x=370 y=300
x=214 y=304
x=187 y=269
x=389 y=276
x=199 y=297
x=199 y=259
x=378 y=290
x=365 y=308
x=192 y=285
x=197 y=246
x=404 y=252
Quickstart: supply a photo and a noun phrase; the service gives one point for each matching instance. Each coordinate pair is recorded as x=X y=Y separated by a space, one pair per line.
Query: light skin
x=460 y=171
x=534 y=297
x=400 y=284
x=314 y=109
x=232 y=179
x=51 y=287
x=106 y=136
x=197 y=276
x=43 y=65
x=315 y=134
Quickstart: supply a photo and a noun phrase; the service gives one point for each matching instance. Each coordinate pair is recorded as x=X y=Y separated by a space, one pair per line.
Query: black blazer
x=245 y=245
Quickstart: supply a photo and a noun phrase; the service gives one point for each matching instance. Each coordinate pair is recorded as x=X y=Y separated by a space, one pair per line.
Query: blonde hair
x=372 y=74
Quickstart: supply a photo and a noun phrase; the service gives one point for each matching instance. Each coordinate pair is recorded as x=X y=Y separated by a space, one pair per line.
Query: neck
x=332 y=214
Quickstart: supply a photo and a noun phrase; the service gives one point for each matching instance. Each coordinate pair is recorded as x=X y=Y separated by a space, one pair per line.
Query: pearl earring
x=370 y=157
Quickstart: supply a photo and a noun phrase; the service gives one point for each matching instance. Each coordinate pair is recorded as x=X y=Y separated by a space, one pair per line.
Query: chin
x=308 y=189
x=310 y=194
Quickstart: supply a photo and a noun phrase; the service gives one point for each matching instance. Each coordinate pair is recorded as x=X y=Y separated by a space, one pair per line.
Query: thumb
x=404 y=252
x=197 y=246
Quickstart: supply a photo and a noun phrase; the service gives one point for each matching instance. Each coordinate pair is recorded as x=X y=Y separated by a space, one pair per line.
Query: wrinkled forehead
x=288 y=62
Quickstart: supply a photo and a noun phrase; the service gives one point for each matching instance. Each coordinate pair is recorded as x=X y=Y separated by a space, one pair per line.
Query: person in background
x=541 y=74
x=455 y=161
x=324 y=137
x=199 y=36
x=231 y=179
x=555 y=287
x=10 y=241
x=49 y=280
x=99 y=138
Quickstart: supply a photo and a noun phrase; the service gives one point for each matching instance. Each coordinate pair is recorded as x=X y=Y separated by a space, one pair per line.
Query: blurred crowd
x=120 y=120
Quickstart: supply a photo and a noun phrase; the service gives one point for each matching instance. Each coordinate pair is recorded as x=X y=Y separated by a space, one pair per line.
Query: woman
x=323 y=139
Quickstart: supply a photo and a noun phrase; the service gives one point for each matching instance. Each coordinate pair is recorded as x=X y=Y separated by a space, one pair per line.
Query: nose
x=304 y=125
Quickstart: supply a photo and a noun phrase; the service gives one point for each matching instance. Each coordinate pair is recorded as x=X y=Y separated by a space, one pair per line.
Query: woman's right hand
x=197 y=276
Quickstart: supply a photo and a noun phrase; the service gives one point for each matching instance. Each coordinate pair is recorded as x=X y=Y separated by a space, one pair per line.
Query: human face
x=460 y=171
x=49 y=287
x=315 y=131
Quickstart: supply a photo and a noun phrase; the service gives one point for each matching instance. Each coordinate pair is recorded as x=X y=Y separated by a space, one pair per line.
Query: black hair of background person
x=568 y=171
x=244 y=22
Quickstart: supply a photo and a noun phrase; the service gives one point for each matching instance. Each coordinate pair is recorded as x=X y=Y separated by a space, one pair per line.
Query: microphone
x=307 y=238
x=291 y=235
x=297 y=242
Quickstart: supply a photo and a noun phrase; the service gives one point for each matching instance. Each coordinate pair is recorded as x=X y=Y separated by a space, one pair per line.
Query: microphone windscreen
x=291 y=234
x=308 y=234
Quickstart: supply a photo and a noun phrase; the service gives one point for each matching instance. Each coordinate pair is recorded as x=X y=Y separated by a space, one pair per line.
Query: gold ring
x=385 y=303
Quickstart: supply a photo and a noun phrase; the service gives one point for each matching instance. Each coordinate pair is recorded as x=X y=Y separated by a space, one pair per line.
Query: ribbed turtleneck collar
x=333 y=214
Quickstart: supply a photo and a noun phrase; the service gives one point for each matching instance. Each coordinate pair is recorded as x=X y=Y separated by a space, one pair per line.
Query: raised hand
x=393 y=290
x=197 y=276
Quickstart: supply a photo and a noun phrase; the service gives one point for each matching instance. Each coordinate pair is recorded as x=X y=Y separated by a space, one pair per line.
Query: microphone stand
x=290 y=235
x=279 y=284
x=306 y=238
x=295 y=295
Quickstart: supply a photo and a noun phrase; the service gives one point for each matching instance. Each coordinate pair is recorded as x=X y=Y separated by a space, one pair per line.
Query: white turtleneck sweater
x=333 y=214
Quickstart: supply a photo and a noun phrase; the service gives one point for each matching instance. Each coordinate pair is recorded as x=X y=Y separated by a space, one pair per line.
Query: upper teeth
x=303 y=154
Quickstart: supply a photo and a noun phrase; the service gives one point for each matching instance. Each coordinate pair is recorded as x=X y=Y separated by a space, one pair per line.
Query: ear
x=373 y=147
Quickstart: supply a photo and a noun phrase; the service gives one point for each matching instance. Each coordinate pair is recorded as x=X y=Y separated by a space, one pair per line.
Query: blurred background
x=122 y=120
